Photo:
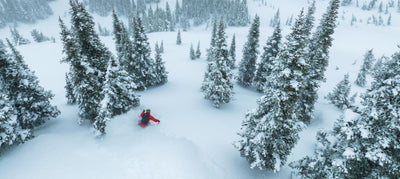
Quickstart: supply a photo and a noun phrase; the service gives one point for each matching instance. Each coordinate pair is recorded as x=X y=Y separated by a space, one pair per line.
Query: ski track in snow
x=193 y=140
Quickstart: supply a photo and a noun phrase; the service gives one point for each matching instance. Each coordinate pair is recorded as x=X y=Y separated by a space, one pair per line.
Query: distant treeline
x=189 y=12
x=27 y=11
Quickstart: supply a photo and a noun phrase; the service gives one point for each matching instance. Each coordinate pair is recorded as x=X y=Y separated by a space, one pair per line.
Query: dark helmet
x=147 y=110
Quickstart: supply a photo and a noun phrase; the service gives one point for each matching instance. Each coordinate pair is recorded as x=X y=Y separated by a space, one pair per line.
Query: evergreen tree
x=378 y=66
x=162 y=47
x=18 y=39
x=126 y=53
x=178 y=38
x=317 y=59
x=29 y=100
x=120 y=90
x=247 y=66
x=159 y=67
x=71 y=50
x=192 y=52
x=361 y=77
x=10 y=131
x=309 y=20
x=275 y=20
x=366 y=68
x=232 y=52
x=38 y=36
x=368 y=60
x=340 y=95
x=266 y=65
x=90 y=68
x=177 y=12
x=198 y=52
x=210 y=51
x=321 y=41
x=270 y=132
x=169 y=17
x=217 y=85
x=367 y=145
x=104 y=114
x=143 y=65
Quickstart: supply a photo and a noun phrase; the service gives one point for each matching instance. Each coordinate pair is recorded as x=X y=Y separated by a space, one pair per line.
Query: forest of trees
x=99 y=83
x=27 y=11
x=288 y=71
x=166 y=18
x=270 y=132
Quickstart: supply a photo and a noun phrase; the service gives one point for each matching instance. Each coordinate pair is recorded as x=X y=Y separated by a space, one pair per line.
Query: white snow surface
x=193 y=140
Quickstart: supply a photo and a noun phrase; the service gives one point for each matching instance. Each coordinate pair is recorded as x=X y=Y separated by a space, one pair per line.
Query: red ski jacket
x=150 y=118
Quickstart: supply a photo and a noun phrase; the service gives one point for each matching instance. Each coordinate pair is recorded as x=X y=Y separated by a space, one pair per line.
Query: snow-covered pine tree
x=369 y=59
x=270 y=132
x=38 y=36
x=292 y=68
x=210 y=51
x=232 y=52
x=218 y=79
x=143 y=64
x=125 y=52
x=104 y=112
x=29 y=100
x=18 y=39
x=156 y=47
x=159 y=67
x=275 y=20
x=169 y=18
x=71 y=50
x=198 y=52
x=321 y=41
x=340 y=95
x=266 y=64
x=10 y=131
x=389 y=20
x=93 y=60
x=247 y=66
x=118 y=35
x=378 y=66
x=365 y=146
x=192 y=52
x=321 y=165
x=178 y=38
x=120 y=89
x=365 y=68
x=162 y=47
x=309 y=20
x=177 y=12
x=361 y=77
x=317 y=59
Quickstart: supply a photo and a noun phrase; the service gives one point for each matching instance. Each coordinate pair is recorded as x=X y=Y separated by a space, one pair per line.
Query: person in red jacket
x=146 y=117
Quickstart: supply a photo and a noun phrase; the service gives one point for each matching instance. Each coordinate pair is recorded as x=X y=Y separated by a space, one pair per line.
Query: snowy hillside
x=193 y=139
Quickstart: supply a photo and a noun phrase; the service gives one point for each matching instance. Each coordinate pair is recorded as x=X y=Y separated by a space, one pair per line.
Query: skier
x=146 y=117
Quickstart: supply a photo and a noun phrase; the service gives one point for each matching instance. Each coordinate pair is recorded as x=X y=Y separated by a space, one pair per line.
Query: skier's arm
x=141 y=115
x=153 y=119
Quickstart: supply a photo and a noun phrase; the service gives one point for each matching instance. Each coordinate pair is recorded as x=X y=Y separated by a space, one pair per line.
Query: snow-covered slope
x=193 y=140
